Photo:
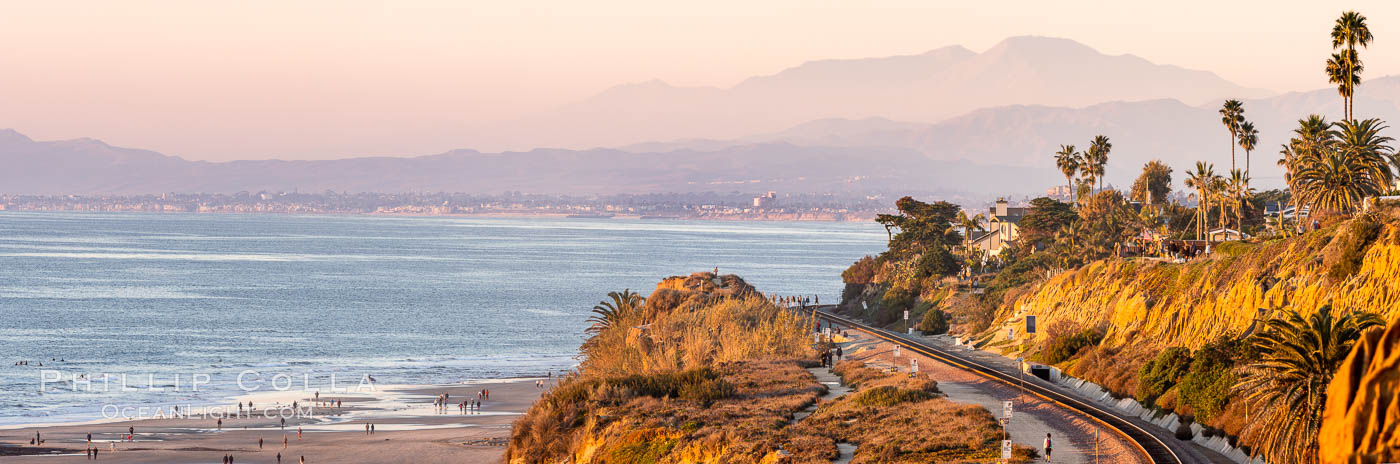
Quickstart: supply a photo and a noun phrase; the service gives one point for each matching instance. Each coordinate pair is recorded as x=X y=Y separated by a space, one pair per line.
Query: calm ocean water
x=163 y=298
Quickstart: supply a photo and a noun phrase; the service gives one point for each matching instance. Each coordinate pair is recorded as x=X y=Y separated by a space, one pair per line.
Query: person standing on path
x=1048 y=445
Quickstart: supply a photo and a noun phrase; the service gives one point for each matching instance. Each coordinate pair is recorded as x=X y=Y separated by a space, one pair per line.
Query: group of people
x=799 y=301
x=228 y=459
x=829 y=357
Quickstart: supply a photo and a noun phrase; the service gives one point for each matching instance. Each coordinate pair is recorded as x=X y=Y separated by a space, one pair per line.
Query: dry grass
x=897 y=418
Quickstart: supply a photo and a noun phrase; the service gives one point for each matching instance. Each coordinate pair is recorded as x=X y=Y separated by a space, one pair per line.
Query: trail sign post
x=1006 y=449
x=896 y=351
x=1007 y=408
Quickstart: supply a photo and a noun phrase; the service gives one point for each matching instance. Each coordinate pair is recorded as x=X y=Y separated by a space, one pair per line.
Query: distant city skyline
x=321 y=80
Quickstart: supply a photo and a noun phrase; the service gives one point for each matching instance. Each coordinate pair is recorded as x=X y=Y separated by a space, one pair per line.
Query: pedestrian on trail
x=1047 y=447
x=284 y=441
x=260 y=443
x=298 y=432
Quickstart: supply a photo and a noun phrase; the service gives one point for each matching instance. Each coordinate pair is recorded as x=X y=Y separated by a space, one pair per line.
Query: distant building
x=1060 y=192
x=766 y=201
x=1002 y=228
x=1225 y=235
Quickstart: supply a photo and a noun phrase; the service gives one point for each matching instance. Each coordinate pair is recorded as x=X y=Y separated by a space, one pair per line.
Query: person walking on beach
x=279 y=458
x=220 y=424
x=366 y=428
x=371 y=429
x=284 y=423
x=1048 y=445
x=298 y=432
x=284 y=441
x=260 y=443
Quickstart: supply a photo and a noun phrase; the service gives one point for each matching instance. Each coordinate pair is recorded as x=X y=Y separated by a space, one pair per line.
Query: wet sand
x=407 y=428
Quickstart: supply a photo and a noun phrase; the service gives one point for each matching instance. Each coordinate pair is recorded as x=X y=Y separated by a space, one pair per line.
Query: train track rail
x=1147 y=443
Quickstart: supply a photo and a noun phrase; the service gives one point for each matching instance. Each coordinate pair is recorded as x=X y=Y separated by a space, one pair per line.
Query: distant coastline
x=862 y=216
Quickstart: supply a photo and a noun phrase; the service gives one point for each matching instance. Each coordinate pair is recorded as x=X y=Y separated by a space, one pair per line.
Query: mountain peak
x=11 y=136
x=1040 y=45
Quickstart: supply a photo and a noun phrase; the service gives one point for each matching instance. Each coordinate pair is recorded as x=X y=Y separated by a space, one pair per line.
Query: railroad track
x=1149 y=444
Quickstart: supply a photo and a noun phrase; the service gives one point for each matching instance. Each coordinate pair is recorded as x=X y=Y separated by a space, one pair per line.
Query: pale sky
x=329 y=79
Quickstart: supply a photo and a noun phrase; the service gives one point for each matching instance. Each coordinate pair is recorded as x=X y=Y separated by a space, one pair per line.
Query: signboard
x=896 y=351
x=1006 y=449
x=1030 y=324
x=1006 y=408
x=913 y=365
x=906 y=314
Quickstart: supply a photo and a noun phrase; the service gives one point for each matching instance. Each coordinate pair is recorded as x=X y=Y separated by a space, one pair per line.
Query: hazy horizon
x=323 y=80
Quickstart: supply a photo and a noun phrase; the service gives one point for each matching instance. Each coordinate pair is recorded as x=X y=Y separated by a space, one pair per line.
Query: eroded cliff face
x=1361 y=422
x=1144 y=303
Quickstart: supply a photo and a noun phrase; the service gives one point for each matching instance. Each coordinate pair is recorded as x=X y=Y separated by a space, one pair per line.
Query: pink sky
x=328 y=79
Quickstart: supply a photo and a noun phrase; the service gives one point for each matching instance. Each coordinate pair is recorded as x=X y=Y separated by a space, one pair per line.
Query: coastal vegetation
x=707 y=369
x=1229 y=306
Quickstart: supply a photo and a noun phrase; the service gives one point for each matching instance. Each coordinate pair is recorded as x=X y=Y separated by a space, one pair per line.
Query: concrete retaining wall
x=1168 y=422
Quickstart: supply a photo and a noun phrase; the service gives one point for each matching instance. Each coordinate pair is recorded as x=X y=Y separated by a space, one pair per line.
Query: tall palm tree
x=1297 y=357
x=1249 y=138
x=607 y=313
x=1068 y=161
x=1099 y=148
x=1344 y=69
x=1348 y=31
x=1200 y=180
x=1232 y=115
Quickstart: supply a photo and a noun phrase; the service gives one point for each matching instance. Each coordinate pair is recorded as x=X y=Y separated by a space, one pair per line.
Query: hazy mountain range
x=949 y=120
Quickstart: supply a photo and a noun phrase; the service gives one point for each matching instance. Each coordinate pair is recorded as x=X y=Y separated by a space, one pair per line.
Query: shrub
x=1162 y=373
x=1351 y=248
x=1206 y=388
x=861 y=272
x=1063 y=340
x=893 y=305
x=935 y=322
x=886 y=396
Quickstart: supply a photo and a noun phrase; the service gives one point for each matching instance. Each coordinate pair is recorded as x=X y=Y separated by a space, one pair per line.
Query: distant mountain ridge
x=86 y=166
x=927 y=88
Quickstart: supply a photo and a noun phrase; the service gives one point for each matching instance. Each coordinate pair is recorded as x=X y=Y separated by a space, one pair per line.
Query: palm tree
x=1351 y=30
x=1249 y=138
x=1344 y=69
x=968 y=224
x=1231 y=115
x=1218 y=191
x=1098 y=150
x=1201 y=180
x=1240 y=194
x=607 y=313
x=1297 y=357
x=1338 y=174
x=1068 y=161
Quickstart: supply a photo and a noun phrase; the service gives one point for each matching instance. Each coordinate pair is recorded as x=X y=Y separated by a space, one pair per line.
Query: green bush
x=934 y=322
x=1162 y=373
x=1206 y=388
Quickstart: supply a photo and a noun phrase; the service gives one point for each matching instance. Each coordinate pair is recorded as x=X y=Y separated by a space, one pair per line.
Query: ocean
x=133 y=309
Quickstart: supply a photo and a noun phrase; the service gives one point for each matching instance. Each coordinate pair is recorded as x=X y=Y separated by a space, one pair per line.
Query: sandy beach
x=406 y=427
